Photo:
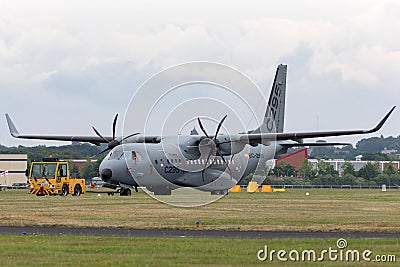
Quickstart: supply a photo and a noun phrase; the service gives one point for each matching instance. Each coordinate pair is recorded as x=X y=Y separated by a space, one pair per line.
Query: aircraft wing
x=267 y=137
x=296 y=144
x=232 y=144
x=96 y=140
x=252 y=139
x=91 y=139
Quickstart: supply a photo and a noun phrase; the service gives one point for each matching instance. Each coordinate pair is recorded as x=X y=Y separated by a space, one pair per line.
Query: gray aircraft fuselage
x=164 y=165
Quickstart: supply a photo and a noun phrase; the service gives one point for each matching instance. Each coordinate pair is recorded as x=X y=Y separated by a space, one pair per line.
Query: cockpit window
x=116 y=154
x=43 y=170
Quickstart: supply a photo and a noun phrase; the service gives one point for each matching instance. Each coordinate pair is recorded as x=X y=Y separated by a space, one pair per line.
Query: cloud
x=99 y=54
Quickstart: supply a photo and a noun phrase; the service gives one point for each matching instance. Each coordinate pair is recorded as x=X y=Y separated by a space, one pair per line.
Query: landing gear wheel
x=64 y=190
x=77 y=190
x=125 y=192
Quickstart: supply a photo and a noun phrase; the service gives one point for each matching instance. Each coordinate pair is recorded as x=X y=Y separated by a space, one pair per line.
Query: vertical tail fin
x=275 y=114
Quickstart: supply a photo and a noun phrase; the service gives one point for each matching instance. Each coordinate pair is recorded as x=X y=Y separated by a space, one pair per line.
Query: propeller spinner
x=211 y=145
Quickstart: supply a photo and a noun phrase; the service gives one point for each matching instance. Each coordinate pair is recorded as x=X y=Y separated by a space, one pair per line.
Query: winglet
x=381 y=123
x=13 y=130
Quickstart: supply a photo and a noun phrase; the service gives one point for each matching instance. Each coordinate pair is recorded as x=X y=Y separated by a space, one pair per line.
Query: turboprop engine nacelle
x=229 y=146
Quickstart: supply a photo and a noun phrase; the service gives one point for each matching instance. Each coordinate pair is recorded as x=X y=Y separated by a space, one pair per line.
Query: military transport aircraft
x=211 y=163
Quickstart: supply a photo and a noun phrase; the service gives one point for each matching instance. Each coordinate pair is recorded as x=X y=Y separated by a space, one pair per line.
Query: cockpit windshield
x=117 y=154
x=44 y=170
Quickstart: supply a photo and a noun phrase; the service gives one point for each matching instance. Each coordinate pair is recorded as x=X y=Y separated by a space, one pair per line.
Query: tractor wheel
x=77 y=190
x=64 y=191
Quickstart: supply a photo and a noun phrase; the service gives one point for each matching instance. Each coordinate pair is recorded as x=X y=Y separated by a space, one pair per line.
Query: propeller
x=113 y=143
x=212 y=144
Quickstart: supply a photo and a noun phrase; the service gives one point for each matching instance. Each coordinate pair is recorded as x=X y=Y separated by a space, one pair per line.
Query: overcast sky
x=67 y=65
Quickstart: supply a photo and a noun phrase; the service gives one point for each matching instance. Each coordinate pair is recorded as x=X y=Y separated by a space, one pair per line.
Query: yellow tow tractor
x=51 y=177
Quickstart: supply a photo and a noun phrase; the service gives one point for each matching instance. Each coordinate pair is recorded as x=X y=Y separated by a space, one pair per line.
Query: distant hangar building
x=12 y=168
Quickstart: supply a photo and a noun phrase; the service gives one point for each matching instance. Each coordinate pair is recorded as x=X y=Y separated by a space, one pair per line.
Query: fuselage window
x=156 y=161
x=134 y=156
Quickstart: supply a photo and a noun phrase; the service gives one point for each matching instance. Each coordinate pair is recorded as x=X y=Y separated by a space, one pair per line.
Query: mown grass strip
x=112 y=251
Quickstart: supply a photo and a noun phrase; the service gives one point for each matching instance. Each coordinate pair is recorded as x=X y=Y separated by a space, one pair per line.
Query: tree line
x=370 y=148
x=324 y=174
x=66 y=152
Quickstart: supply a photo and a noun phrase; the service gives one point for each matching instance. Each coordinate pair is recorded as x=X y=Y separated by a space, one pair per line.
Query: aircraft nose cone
x=106 y=174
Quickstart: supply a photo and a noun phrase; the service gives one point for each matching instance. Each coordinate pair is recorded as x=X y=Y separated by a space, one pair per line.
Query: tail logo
x=272 y=108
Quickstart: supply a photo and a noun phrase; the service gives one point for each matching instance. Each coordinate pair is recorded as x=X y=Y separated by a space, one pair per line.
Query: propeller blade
x=94 y=129
x=123 y=139
x=222 y=158
x=226 y=164
x=213 y=149
x=105 y=150
x=201 y=127
x=114 y=125
x=219 y=127
x=205 y=166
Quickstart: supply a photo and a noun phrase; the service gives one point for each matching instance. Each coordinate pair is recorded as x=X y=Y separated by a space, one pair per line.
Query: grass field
x=322 y=210
x=100 y=251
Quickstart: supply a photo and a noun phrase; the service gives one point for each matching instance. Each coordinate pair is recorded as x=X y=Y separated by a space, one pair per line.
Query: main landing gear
x=125 y=192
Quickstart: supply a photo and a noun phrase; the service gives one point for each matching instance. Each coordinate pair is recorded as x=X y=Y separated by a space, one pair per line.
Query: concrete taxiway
x=128 y=232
